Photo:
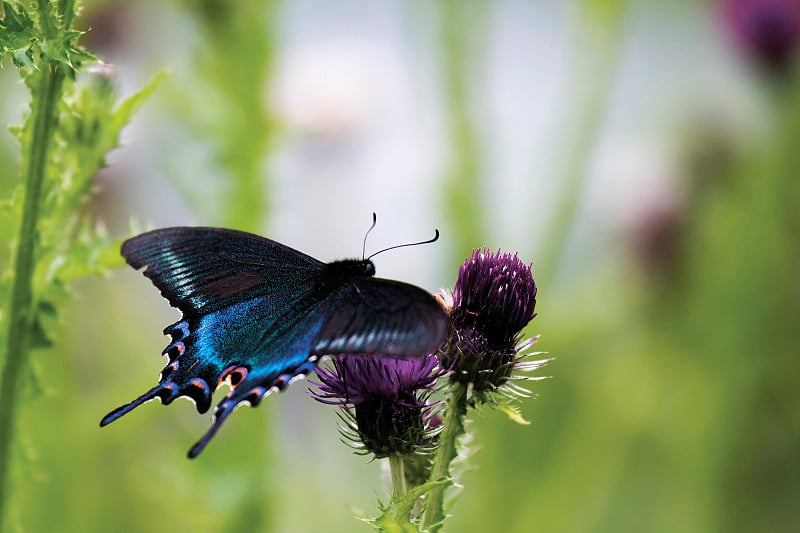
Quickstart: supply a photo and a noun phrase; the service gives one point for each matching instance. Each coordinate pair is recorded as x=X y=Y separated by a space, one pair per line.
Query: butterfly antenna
x=435 y=238
x=364 y=248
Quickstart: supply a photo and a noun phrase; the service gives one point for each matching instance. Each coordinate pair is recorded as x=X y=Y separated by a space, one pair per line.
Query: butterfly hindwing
x=218 y=348
x=230 y=339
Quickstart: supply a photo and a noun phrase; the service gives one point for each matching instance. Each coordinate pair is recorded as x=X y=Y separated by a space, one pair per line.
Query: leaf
x=90 y=127
x=22 y=58
x=68 y=130
x=126 y=109
x=94 y=256
x=393 y=518
x=17 y=33
x=51 y=44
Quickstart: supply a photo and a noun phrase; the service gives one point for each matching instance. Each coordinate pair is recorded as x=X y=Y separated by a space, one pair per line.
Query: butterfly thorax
x=337 y=273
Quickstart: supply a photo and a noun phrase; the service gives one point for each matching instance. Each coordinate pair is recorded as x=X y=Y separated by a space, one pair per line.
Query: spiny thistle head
x=494 y=293
x=384 y=401
x=493 y=300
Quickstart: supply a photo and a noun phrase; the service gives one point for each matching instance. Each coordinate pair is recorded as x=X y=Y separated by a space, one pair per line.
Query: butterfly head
x=339 y=272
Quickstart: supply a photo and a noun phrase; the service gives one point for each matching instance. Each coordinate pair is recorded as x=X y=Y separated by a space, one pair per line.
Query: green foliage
x=34 y=39
x=394 y=516
x=69 y=247
x=72 y=124
x=17 y=35
x=91 y=120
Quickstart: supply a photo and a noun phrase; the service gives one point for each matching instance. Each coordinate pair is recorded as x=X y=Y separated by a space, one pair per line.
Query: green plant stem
x=46 y=19
x=45 y=121
x=453 y=428
x=397 y=468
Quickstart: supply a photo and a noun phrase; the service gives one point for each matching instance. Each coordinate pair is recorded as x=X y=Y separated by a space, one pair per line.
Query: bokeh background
x=644 y=155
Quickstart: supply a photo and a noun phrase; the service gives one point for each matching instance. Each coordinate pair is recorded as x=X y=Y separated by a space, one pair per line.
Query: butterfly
x=257 y=315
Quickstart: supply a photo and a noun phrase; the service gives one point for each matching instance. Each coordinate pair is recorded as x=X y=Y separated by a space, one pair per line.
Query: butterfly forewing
x=202 y=270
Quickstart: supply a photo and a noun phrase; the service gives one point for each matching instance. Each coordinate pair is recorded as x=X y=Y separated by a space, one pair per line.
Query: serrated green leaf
x=68 y=130
x=388 y=524
x=403 y=506
x=27 y=45
x=16 y=130
x=52 y=51
x=126 y=109
x=393 y=518
x=22 y=58
x=17 y=29
x=90 y=127
x=91 y=258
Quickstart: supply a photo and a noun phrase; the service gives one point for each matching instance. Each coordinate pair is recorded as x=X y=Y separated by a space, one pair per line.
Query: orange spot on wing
x=233 y=375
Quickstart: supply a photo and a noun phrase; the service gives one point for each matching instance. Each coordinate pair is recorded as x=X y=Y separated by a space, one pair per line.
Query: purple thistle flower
x=766 y=30
x=493 y=300
x=494 y=293
x=384 y=400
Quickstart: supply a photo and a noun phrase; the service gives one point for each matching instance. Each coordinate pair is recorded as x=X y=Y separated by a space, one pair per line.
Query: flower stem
x=453 y=428
x=397 y=468
x=44 y=122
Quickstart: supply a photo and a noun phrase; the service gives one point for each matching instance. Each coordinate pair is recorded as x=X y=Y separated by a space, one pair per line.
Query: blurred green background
x=644 y=155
